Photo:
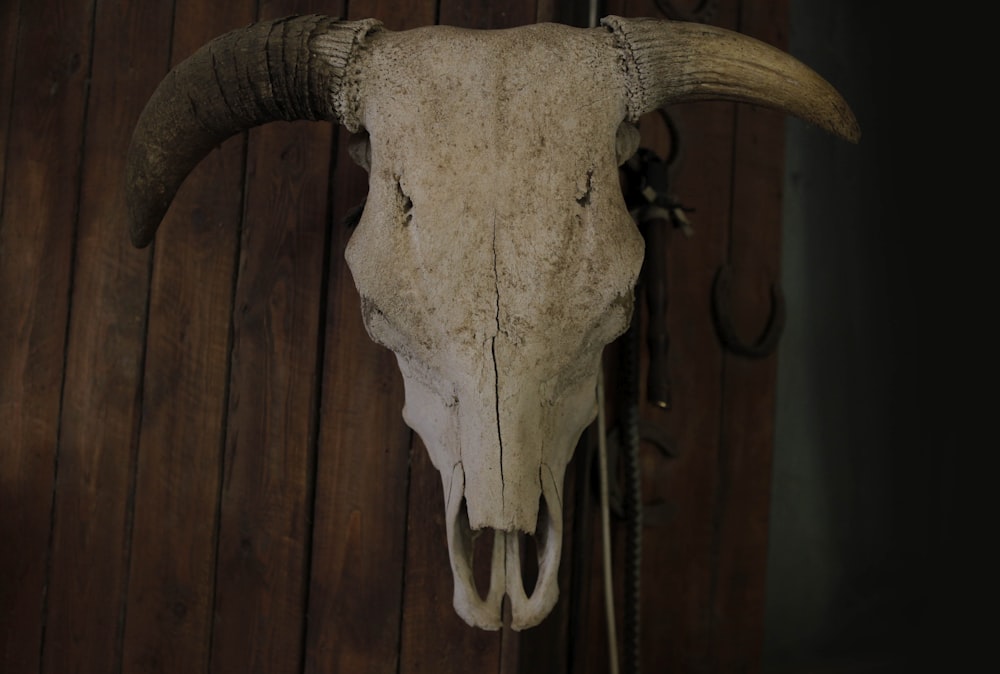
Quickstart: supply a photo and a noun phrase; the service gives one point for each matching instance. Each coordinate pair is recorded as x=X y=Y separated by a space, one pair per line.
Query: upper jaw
x=506 y=573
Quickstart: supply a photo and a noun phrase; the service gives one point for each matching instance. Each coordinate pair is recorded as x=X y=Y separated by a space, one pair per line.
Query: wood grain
x=265 y=517
x=363 y=461
x=168 y=619
x=101 y=404
x=10 y=16
x=46 y=112
x=485 y=14
x=747 y=432
x=679 y=552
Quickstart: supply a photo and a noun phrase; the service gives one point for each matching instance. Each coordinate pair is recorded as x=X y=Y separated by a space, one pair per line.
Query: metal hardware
x=767 y=342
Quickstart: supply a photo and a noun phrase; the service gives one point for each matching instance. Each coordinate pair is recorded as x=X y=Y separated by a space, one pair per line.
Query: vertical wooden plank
x=362 y=465
x=546 y=11
x=486 y=14
x=10 y=14
x=679 y=557
x=265 y=521
x=361 y=477
x=41 y=189
x=749 y=385
x=678 y=551
x=169 y=605
x=435 y=638
x=100 y=408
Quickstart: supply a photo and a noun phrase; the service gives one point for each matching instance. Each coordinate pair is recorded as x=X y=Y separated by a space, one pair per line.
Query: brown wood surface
x=204 y=467
x=104 y=361
x=265 y=514
x=169 y=610
x=41 y=188
x=361 y=475
x=363 y=467
x=677 y=549
x=9 y=20
x=486 y=14
x=702 y=552
x=747 y=432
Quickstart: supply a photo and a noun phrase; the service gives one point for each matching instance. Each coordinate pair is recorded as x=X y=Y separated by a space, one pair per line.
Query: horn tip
x=847 y=126
x=847 y=131
x=854 y=134
x=835 y=116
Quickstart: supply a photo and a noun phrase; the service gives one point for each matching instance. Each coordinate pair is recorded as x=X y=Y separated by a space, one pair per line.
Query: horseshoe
x=767 y=342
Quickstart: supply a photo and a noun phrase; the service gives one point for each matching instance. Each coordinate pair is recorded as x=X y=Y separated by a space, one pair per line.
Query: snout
x=510 y=558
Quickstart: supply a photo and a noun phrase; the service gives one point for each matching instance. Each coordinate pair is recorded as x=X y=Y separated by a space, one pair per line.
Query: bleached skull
x=495 y=256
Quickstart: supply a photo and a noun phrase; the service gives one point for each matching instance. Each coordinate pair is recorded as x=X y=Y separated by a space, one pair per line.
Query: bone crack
x=496 y=370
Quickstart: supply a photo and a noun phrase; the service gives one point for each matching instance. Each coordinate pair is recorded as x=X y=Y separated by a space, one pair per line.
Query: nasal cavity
x=531 y=547
x=482 y=560
x=529 y=562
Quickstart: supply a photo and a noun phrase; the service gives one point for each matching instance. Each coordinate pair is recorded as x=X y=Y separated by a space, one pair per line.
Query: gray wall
x=870 y=552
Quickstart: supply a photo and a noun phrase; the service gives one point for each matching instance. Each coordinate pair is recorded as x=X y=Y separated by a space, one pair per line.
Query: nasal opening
x=531 y=548
x=483 y=541
x=491 y=564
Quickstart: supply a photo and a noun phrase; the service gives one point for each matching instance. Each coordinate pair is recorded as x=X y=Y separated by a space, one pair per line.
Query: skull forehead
x=488 y=114
x=452 y=92
x=515 y=227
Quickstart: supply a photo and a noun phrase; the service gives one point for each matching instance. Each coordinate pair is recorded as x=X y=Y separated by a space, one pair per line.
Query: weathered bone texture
x=495 y=256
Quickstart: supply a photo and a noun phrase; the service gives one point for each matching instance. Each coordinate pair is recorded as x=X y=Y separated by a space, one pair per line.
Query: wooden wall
x=203 y=467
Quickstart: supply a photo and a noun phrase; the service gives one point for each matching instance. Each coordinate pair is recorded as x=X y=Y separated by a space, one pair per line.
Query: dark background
x=879 y=522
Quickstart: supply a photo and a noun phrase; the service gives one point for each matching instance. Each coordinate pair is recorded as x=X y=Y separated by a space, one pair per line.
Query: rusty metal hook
x=656 y=436
x=767 y=342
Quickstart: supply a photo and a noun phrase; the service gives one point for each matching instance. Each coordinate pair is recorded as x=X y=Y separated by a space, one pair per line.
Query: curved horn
x=679 y=62
x=289 y=69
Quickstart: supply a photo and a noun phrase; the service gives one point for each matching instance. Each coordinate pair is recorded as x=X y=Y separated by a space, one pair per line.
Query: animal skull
x=495 y=256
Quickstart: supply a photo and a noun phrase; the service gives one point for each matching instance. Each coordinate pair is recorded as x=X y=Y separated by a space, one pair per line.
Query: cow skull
x=495 y=256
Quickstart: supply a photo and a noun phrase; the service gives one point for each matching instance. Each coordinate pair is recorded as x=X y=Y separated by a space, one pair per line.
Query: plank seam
x=74 y=230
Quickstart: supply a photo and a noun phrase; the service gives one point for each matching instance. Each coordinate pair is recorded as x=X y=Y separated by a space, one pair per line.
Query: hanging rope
x=609 y=593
